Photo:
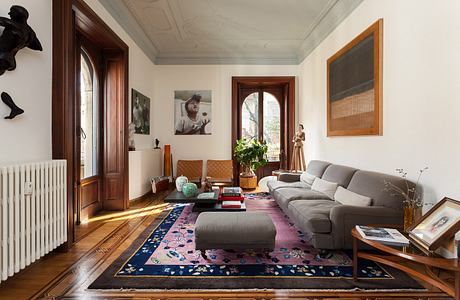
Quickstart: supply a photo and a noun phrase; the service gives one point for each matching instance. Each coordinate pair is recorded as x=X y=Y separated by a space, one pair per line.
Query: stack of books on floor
x=231 y=197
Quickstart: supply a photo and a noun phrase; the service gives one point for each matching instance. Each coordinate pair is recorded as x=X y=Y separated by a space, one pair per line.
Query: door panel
x=115 y=145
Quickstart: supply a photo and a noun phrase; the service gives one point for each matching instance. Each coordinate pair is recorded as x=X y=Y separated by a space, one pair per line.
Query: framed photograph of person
x=438 y=225
x=192 y=112
x=140 y=112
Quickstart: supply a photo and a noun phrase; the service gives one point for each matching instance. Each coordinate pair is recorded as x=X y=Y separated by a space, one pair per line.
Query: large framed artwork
x=192 y=112
x=140 y=106
x=354 y=86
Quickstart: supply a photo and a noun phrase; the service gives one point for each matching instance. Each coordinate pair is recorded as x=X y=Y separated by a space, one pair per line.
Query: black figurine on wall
x=157 y=142
x=15 y=110
x=16 y=35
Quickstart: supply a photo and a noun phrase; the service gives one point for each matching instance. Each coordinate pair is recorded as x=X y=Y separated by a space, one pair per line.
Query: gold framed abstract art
x=354 y=86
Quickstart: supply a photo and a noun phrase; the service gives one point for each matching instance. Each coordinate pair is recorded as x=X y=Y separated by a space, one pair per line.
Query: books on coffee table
x=388 y=236
x=231 y=192
x=231 y=204
x=209 y=195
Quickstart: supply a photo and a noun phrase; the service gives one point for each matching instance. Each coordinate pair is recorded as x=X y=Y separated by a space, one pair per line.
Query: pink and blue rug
x=164 y=256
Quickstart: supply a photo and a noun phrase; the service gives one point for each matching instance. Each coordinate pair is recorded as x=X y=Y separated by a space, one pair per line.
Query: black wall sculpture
x=16 y=35
x=15 y=110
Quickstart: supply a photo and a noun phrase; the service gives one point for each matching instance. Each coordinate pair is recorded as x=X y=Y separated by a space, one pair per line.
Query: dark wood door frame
x=288 y=83
x=70 y=17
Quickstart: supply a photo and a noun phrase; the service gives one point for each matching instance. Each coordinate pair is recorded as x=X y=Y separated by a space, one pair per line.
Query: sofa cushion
x=347 y=197
x=325 y=187
x=275 y=184
x=372 y=184
x=307 y=178
x=340 y=174
x=317 y=167
x=313 y=215
x=285 y=195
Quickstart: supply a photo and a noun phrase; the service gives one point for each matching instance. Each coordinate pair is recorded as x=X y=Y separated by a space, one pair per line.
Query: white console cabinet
x=143 y=165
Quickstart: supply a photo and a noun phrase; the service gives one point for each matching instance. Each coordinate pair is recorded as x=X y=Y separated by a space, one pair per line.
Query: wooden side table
x=396 y=256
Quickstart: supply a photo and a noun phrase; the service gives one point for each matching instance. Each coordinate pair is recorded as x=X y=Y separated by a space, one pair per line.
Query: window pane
x=272 y=134
x=88 y=120
x=250 y=117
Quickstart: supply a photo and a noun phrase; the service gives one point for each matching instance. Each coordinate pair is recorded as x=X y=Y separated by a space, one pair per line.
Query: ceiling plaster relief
x=268 y=29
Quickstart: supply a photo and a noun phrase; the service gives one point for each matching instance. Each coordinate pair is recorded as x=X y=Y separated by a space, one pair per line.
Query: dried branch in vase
x=412 y=196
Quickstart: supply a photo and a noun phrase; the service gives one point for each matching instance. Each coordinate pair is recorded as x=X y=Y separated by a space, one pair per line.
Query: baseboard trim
x=143 y=197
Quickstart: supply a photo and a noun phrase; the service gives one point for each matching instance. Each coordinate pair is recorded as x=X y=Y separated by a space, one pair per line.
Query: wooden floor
x=67 y=275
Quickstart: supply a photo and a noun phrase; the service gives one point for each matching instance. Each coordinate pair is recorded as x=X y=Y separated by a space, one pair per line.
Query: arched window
x=88 y=118
x=271 y=126
x=261 y=117
x=250 y=117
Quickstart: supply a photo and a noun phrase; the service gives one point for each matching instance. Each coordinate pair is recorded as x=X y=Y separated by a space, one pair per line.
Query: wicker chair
x=192 y=169
x=220 y=171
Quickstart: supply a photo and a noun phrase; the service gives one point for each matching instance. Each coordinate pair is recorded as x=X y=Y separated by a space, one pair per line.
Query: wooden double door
x=263 y=109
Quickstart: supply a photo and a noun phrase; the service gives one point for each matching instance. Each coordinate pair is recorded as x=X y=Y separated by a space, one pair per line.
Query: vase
x=180 y=181
x=411 y=215
x=189 y=190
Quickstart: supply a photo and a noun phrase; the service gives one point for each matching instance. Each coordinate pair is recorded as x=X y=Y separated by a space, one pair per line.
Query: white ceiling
x=229 y=31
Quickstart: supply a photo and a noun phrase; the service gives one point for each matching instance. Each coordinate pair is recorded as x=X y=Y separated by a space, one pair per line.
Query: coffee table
x=399 y=257
x=200 y=205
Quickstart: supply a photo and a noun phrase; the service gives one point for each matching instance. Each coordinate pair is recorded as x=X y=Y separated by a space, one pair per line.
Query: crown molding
x=123 y=16
x=337 y=12
x=225 y=61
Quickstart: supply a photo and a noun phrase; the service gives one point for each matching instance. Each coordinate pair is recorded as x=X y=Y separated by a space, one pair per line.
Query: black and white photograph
x=192 y=112
x=140 y=112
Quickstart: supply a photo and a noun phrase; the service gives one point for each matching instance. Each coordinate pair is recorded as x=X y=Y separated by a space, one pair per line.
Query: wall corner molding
x=130 y=25
x=338 y=12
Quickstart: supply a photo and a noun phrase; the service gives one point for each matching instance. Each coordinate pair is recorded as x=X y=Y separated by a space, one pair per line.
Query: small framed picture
x=438 y=224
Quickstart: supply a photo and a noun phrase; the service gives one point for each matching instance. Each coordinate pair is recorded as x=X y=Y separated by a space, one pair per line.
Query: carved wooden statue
x=298 y=158
x=16 y=35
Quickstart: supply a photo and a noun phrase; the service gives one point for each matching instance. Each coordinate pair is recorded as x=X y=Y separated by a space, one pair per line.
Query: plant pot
x=248 y=183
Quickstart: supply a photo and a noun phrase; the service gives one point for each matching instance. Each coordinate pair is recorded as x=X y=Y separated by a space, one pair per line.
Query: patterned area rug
x=164 y=256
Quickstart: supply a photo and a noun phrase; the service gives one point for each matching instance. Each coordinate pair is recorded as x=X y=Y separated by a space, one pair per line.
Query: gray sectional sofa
x=327 y=221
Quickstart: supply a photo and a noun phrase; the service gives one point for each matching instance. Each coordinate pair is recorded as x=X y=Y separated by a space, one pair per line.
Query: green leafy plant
x=251 y=155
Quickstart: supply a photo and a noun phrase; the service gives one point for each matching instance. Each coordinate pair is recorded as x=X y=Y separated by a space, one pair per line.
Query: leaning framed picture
x=354 y=86
x=439 y=224
x=140 y=112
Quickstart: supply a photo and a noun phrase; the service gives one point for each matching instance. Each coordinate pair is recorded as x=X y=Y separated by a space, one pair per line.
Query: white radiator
x=33 y=213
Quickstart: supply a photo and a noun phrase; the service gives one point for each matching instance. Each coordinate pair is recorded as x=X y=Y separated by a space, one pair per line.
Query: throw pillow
x=347 y=197
x=307 y=178
x=326 y=187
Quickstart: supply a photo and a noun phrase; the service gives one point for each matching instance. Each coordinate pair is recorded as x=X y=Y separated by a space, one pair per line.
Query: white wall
x=141 y=72
x=28 y=136
x=421 y=103
x=217 y=78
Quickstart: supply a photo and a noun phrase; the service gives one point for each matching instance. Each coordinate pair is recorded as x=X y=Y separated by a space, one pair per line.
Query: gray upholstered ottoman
x=234 y=230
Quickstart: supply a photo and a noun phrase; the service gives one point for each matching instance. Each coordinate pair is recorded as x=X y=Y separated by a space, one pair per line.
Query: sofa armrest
x=345 y=217
x=289 y=177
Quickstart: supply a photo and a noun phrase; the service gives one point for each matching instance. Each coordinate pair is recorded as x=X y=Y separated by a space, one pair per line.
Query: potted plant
x=251 y=155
